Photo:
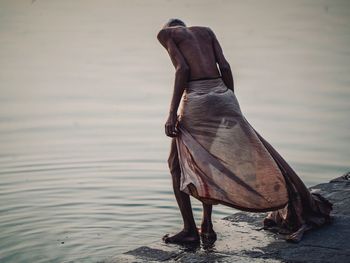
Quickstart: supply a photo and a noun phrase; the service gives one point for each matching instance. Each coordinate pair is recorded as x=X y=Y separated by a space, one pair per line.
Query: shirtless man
x=196 y=54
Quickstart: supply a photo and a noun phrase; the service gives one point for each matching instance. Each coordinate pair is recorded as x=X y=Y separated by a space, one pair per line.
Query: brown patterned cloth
x=224 y=160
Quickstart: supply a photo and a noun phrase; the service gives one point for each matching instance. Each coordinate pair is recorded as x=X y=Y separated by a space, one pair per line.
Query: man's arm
x=181 y=77
x=224 y=66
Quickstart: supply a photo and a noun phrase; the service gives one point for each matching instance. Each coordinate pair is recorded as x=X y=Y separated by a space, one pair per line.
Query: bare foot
x=182 y=237
x=298 y=235
x=207 y=232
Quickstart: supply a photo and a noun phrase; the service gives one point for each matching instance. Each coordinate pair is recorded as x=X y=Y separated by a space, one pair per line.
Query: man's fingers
x=167 y=130
x=170 y=130
x=174 y=130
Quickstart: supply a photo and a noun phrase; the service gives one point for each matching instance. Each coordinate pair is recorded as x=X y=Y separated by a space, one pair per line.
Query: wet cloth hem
x=214 y=201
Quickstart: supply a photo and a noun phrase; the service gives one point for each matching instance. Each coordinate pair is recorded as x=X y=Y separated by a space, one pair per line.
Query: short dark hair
x=174 y=22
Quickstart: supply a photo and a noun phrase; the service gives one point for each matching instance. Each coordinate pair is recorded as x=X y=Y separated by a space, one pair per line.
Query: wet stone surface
x=242 y=239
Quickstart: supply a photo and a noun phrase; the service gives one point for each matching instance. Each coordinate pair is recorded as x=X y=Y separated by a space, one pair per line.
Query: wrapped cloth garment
x=223 y=160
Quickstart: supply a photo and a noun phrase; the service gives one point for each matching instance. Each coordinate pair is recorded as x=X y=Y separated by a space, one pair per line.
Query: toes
x=180 y=238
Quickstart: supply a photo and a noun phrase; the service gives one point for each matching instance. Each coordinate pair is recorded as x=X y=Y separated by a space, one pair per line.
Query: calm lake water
x=84 y=92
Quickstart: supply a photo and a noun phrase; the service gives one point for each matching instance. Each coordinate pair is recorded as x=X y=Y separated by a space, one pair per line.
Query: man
x=216 y=156
x=194 y=52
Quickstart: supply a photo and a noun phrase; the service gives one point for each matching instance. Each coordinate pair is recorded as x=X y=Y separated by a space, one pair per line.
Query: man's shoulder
x=201 y=28
x=172 y=33
x=163 y=34
x=176 y=32
x=167 y=33
x=203 y=31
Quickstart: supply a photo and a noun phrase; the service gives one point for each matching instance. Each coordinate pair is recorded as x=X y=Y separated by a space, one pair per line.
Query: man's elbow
x=225 y=66
x=183 y=70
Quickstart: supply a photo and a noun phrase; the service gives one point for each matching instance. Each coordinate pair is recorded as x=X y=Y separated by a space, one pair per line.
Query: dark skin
x=195 y=53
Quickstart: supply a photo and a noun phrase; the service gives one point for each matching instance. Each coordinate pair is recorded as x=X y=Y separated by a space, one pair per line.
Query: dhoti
x=224 y=160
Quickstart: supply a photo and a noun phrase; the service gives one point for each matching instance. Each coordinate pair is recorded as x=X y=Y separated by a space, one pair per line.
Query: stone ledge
x=242 y=239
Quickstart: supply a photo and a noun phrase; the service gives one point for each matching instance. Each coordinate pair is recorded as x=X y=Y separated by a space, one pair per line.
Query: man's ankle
x=207 y=224
x=190 y=229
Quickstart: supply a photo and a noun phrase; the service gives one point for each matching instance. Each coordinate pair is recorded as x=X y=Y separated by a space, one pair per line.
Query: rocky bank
x=242 y=239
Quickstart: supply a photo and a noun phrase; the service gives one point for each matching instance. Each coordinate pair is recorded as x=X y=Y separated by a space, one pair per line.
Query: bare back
x=196 y=45
x=196 y=54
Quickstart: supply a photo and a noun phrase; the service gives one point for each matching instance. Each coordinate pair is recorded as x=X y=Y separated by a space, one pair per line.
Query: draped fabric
x=224 y=160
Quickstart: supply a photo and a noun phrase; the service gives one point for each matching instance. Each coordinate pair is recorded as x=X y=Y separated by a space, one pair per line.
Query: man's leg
x=207 y=230
x=189 y=233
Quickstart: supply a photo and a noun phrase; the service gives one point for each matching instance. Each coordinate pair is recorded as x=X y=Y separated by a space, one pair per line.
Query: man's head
x=174 y=22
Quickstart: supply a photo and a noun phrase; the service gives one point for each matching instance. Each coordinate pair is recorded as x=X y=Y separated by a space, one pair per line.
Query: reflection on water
x=85 y=89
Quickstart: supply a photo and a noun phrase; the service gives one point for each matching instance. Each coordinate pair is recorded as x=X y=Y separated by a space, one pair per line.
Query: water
x=85 y=89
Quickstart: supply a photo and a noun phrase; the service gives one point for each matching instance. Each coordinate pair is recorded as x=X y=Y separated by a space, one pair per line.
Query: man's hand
x=171 y=126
